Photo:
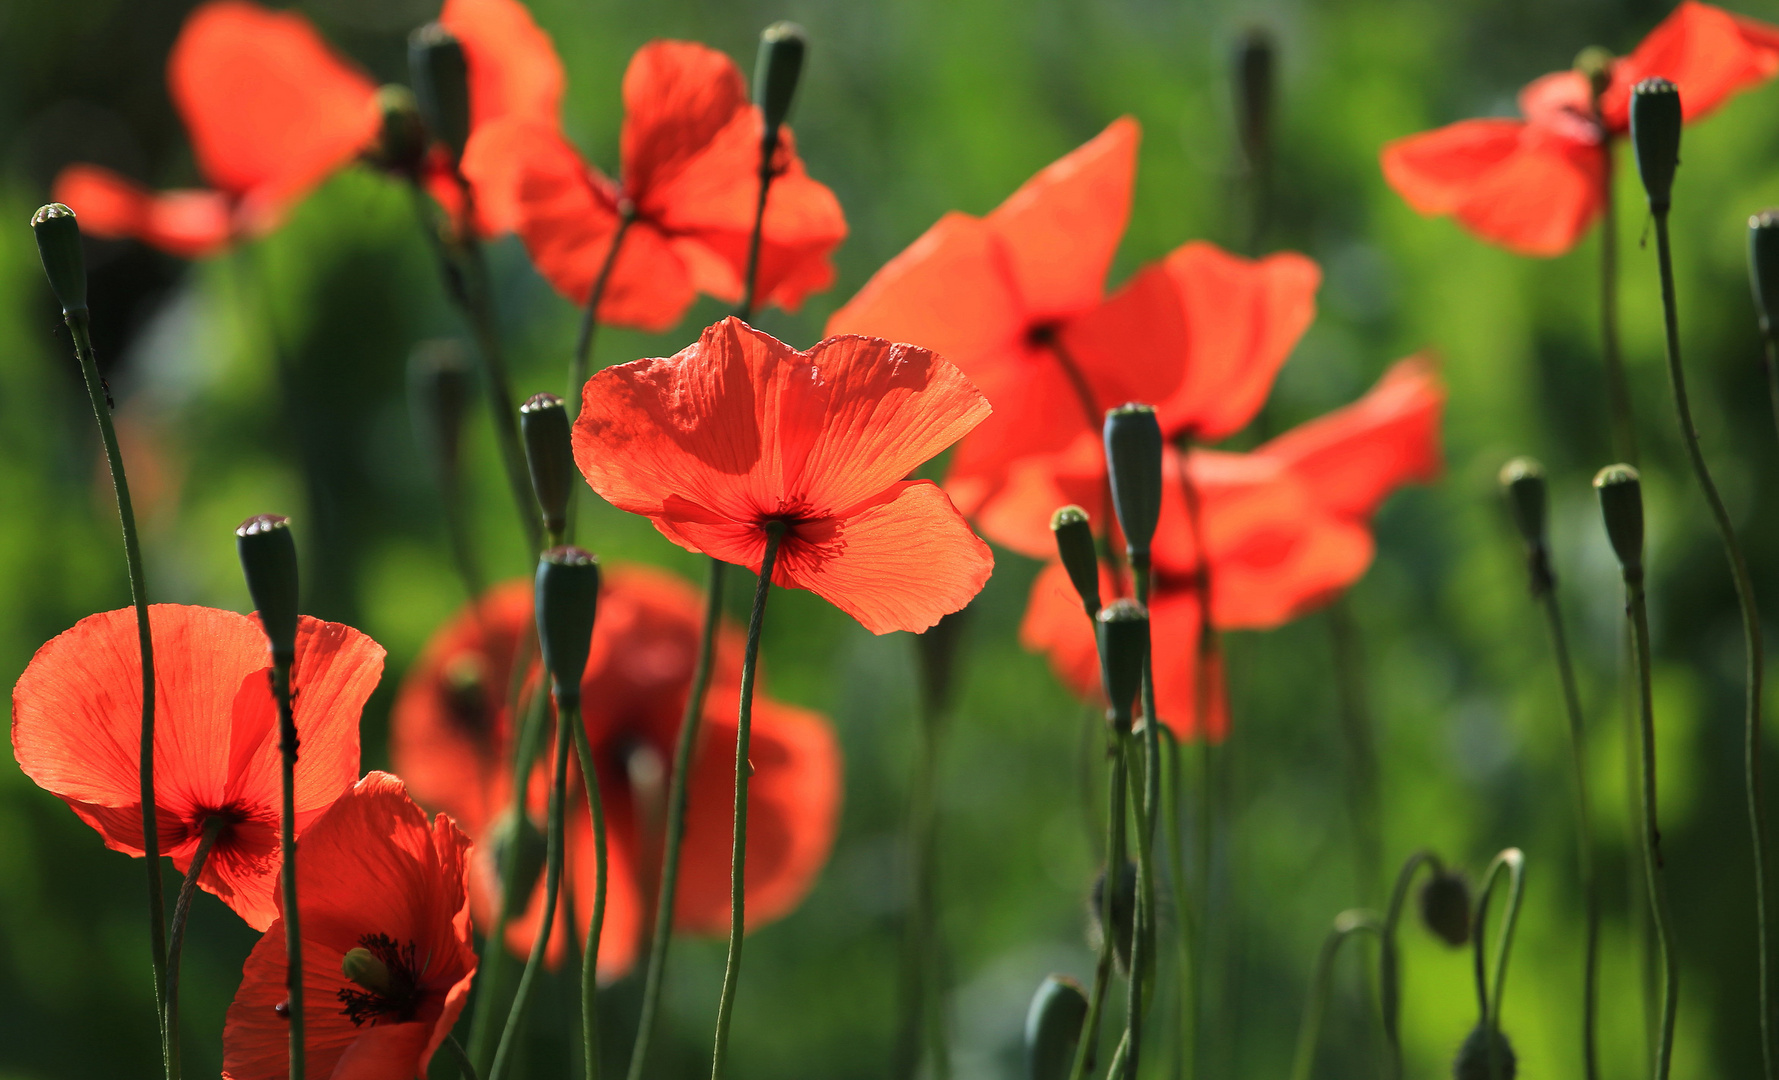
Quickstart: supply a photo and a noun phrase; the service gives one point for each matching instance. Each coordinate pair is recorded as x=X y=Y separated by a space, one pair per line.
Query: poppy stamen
x=389 y=980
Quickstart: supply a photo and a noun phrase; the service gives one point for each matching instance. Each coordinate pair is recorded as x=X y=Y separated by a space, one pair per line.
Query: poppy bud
x=1595 y=62
x=269 y=561
x=58 y=243
x=401 y=143
x=439 y=382
x=1053 y=1028
x=1655 y=135
x=567 y=598
x=1522 y=479
x=1473 y=1056
x=1763 y=268
x=1133 y=454
x=1074 y=543
x=1124 y=647
x=362 y=967
x=776 y=70
x=1254 y=56
x=515 y=837
x=441 y=84
x=1444 y=902
x=543 y=420
x=1621 y=503
x=1124 y=906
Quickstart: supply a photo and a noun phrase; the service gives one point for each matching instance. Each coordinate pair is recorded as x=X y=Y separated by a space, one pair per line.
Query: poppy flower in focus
x=452 y=739
x=1534 y=185
x=739 y=430
x=690 y=157
x=381 y=891
x=76 y=725
x=271 y=111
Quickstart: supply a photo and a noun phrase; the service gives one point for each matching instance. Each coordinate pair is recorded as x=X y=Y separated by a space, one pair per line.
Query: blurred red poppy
x=271 y=111
x=373 y=875
x=452 y=738
x=690 y=174
x=1535 y=185
x=76 y=727
x=739 y=429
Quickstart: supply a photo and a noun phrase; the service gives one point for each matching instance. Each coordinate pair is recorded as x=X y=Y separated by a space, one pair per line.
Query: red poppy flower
x=76 y=723
x=1535 y=185
x=739 y=429
x=372 y=874
x=452 y=738
x=690 y=174
x=271 y=111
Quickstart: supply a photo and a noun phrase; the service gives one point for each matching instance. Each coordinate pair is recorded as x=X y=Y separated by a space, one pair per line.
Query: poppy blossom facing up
x=271 y=111
x=689 y=176
x=739 y=430
x=1534 y=185
x=378 y=881
x=76 y=729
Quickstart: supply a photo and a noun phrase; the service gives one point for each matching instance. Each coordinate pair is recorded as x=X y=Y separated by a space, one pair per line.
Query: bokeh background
x=909 y=109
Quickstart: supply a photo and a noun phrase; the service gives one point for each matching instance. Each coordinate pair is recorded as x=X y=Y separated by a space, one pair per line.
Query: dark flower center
x=398 y=998
x=1040 y=335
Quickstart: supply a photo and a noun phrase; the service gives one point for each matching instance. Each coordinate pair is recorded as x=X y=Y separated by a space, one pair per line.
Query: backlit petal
x=513 y=68
x=183 y=223
x=1706 y=51
x=1436 y=171
x=677 y=96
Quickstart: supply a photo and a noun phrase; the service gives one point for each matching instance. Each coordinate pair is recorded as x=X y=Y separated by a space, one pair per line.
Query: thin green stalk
x=1115 y=812
x=1618 y=394
x=1652 y=837
x=590 y=958
x=922 y=1030
x=1751 y=636
x=79 y=326
x=1142 y=936
x=1389 y=965
x=464 y=1065
x=292 y=914
x=756 y=620
x=1185 y=1067
x=1118 y=1065
x=583 y=341
x=1772 y=366
x=1489 y=998
x=768 y=147
x=678 y=790
x=1346 y=924
x=213 y=826
x=1361 y=742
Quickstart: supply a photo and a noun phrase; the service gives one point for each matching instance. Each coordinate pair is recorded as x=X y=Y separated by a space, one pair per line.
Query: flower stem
x=583 y=341
x=590 y=958
x=1389 y=964
x=756 y=619
x=292 y=914
x=1361 y=741
x=464 y=1066
x=1751 y=636
x=1146 y=795
x=1618 y=394
x=1185 y=1065
x=79 y=326
x=1115 y=811
x=1638 y=612
x=1772 y=365
x=1488 y=996
x=768 y=147
x=1346 y=924
x=213 y=826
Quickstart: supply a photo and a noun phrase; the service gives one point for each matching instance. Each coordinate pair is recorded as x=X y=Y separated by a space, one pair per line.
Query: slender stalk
x=1618 y=394
x=1115 y=811
x=1772 y=365
x=552 y=890
x=99 y=395
x=1361 y=742
x=1489 y=1000
x=583 y=341
x=1751 y=636
x=590 y=958
x=922 y=1031
x=1184 y=1063
x=292 y=914
x=756 y=620
x=213 y=826
x=1652 y=838
x=1346 y=924
x=1389 y=964
x=678 y=790
x=1142 y=936
x=464 y=1065
x=768 y=147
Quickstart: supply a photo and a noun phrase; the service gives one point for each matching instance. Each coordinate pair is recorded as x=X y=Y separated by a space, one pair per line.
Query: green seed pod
x=1053 y=1028
x=1655 y=135
x=1074 y=544
x=1124 y=647
x=1595 y=62
x=776 y=71
x=567 y=600
x=1444 y=903
x=1473 y=1056
x=269 y=561
x=1763 y=268
x=1621 y=504
x=58 y=244
x=362 y=967
x=515 y=837
x=1254 y=65
x=441 y=84
x=401 y=142
x=1522 y=480
x=1133 y=454
x=440 y=387
x=543 y=421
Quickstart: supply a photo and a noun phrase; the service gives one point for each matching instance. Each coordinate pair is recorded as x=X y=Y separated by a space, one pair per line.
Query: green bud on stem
x=543 y=421
x=1621 y=504
x=1655 y=135
x=567 y=600
x=1053 y=1028
x=1473 y=1057
x=58 y=244
x=1123 y=627
x=441 y=84
x=269 y=562
x=1254 y=66
x=776 y=72
x=1444 y=903
x=1595 y=62
x=1074 y=545
x=1133 y=454
x=1763 y=268
x=401 y=141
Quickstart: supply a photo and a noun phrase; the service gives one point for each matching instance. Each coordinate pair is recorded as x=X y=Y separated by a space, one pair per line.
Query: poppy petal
x=1132 y=347
x=1706 y=51
x=188 y=224
x=677 y=96
x=1436 y=171
x=513 y=67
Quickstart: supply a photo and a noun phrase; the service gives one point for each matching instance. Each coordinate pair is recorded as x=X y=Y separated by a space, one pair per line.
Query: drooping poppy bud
x=1473 y=1057
x=1595 y=62
x=1254 y=56
x=543 y=421
x=269 y=561
x=1763 y=268
x=1074 y=545
x=64 y=263
x=401 y=141
x=439 y=385
x=1053 y=1028
x=1133 y=454
x=1444 y=903
x=514 y=836
x=441 y=84
x=1124 y=648
x=567 y=600
x=1123 y=912
x=776 y=71
x=1621 y=504
x=362 y=967
x=1655 y=135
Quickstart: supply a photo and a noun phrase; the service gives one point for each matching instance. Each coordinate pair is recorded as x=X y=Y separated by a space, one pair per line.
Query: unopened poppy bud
x=1133 y=454
x=515 y=838
x=1123 y=627
x=776 y=71
x=1522 y=479
x=1595 y=62
x=1655 y=135
x=1074 y=544
x=1621 y=504
x=1254 y=55
x=439 y=382
x=1763 y=268
x=1124 y=905
x=1444 y=902
x=401 y=143
x=1473 y=1057
x=58 y=243
x=1053 y=1028
x=543 y=420
x=441 y=83
x=362 y=967
x=567 y=599
x=269 y=561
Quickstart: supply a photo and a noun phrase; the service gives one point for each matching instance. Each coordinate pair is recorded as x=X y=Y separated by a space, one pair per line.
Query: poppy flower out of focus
x=452 y=739
x=1016 y=299
x=271 y=111
x=1285 y=529
x=76 y=726
x=739 y=430
x=1536 y=184
x=375 y=877
x=690 y=175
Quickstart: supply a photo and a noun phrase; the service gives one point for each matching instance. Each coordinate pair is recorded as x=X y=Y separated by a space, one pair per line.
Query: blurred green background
x=909 y=109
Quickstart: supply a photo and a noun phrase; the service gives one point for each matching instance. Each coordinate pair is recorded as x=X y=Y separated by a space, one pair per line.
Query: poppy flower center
x=1041 y=335
x=466 y=693
x=388 y=990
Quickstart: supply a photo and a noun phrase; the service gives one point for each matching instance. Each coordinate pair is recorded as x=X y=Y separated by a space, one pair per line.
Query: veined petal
x=677 y=96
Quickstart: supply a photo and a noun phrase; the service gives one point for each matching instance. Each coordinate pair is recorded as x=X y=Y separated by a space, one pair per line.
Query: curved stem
x=1346 y=924
x=583 y=341
x=1389 y=965
x=1751 y=636
x=99 y=395
x=1489 y=995
x=213 y=826
x=292 y=913
x=464 y=1065
x=1652 y=838
x=590 y=957
x=1115 y=811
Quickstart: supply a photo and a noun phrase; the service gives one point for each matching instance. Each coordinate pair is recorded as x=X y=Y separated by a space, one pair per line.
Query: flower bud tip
x=777 y=70
x=64 y=262
x=269 y=562
x=567 y=601
x=1074 y=546
x=1053 y=1028
x=543 y=422
x=1621 y=505
x=1133 y=454
x=441 y=83
x=1655 y=136
x=1522 y=480
x=1124 y=648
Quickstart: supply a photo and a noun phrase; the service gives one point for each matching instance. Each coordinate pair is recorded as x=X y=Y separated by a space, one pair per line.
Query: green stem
x=590 y=958
x=464 y=1065
x=744 y=769
x=1772 y=366
x=1115 y=811
x=678 y=791
x=583 y=341
x=1361 y=742
x=292 y=914
x=1389 y=964
x=1751 y=636
x=1143 y=793
x=922 y=1025
x=1185 y=1066
x=79 y=326
x=1618 y=395
x=768 y=147
x=1652 y=837
x=1488 y=997
x=1346 y=924
x=213 y=826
